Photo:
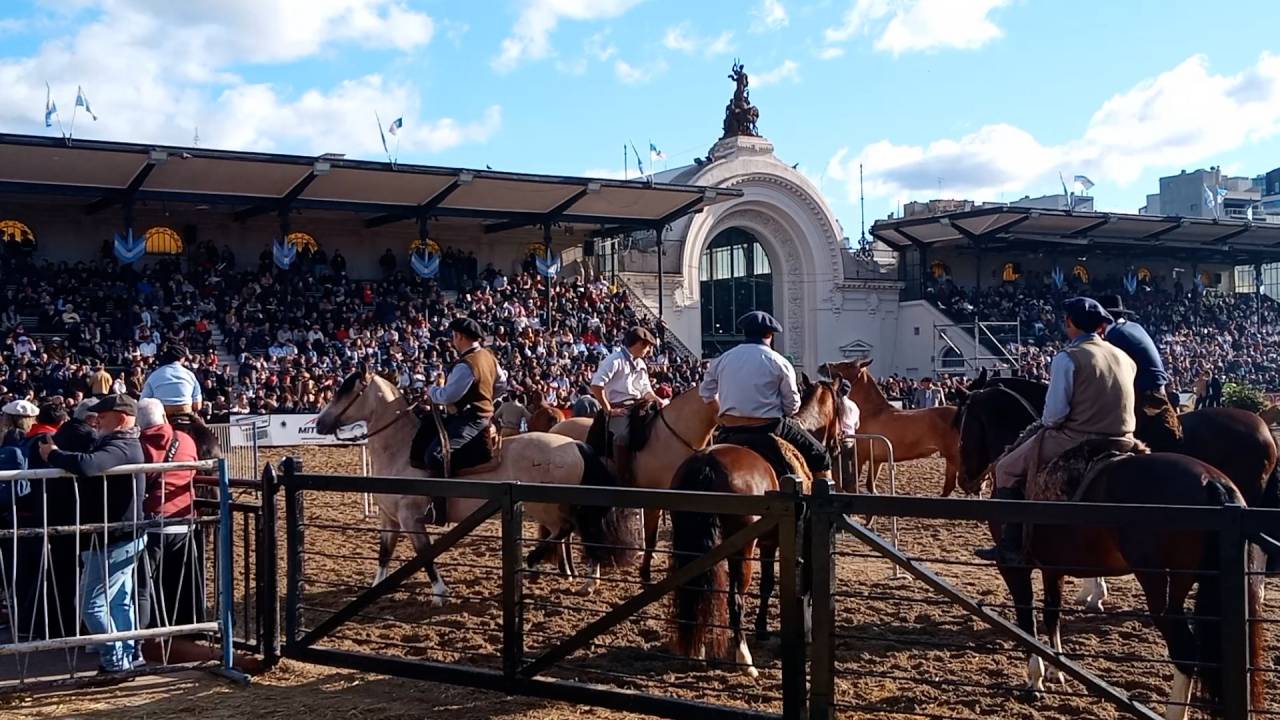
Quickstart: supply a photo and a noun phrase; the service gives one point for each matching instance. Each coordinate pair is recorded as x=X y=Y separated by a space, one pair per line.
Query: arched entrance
x=736 y=277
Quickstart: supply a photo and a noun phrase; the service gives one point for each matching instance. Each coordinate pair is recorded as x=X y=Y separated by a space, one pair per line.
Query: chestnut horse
x=914 y=434
x=544 y=415
x=701 y=608
x=685 y=425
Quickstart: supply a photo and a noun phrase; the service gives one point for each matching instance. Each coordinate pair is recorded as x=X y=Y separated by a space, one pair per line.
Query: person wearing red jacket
x=174 y=591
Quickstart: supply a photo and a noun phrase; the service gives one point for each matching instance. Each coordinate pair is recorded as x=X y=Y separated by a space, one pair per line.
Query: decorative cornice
x=808 y=201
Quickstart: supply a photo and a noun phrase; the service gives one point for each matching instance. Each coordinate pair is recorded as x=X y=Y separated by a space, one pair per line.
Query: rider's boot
x=1009 y=550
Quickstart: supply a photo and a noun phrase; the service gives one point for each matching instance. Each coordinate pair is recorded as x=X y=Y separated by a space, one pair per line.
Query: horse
x=684 y=426
x=1235 y=441
x=1166 y=563
x=544 y=415
x=914 y=434
x=702 y=607
x=527 y=458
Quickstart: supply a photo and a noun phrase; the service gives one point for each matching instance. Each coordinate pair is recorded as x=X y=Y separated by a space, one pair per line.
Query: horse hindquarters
x=700 y=603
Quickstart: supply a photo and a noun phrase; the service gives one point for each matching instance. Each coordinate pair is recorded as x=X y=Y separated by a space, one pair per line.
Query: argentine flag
x=82 y=101
x=50 y=107
x=655 y=153
x=394 y=127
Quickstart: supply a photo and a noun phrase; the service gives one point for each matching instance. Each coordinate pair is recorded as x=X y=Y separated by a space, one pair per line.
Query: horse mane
x=207 y=445
x=809 y=416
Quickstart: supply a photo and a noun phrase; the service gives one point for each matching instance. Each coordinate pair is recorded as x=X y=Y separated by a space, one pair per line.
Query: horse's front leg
x=768 y=551
x=388 y=538
x=1018 y=580
x=588 y=585
x=651 y=518
x=950 y=475
x=421 y=543
x=739 y=579
x=1053 y=614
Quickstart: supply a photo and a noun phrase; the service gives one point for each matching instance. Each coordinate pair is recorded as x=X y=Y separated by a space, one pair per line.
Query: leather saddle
x=780 y=454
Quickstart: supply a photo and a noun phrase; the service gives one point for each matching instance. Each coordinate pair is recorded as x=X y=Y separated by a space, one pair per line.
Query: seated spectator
x=19 y=418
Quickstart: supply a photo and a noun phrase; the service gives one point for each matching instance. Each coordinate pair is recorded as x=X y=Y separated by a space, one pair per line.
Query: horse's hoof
x=752 y=673
x=585 y=590
x=646 y=576
x=1062 y=678
x=1032 y=696
x=1092 y=606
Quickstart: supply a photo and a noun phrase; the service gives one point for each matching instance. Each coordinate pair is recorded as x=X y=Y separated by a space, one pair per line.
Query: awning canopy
x=1234 y=241
x=252 y=184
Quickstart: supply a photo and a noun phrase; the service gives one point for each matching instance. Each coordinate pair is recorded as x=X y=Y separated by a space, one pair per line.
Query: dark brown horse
x=1168 y=564
x=702 y=607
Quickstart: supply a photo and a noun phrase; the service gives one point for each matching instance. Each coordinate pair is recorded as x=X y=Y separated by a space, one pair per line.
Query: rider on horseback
x=622 y=380
x=473 y=383
x=757 y=391
x=1157 y=417
x=1091 y=395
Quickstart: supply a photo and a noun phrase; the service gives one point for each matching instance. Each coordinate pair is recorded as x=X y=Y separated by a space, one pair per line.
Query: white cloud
x=629 y=74
x=597 y=47
x=681 y=39
x=919 y=25
x=788 y=70
x=454 y=30
x=606 y=173
x=152 y=85
x=530 y=38
x=1172 y=120
x=830 y=53
x=769 y=15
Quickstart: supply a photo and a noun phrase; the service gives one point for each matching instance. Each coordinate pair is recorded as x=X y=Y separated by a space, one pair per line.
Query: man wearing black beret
x=1091 y=395
x=756 y=388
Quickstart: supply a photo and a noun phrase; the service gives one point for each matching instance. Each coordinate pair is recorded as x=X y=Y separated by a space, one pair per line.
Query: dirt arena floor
x=903 y=651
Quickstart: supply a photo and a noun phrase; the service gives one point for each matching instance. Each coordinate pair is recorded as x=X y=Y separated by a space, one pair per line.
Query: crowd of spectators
x=1205 y=336
x=267 y=340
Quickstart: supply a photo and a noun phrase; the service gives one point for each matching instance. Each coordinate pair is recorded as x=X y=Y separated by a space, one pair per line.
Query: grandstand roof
x=251 y=184
x=1002 y=227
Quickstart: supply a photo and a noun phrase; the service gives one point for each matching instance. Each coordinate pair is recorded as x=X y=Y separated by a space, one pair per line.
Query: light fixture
x=465 y=177
x=709 y=194
x=321 y=167
x=157 y=156
x=593 y=186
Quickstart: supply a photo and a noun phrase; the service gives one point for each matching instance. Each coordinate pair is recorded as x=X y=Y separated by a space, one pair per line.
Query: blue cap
x=757 y=322
x=1087 y=313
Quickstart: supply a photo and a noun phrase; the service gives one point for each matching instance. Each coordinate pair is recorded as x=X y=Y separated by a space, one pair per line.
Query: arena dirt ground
x=903 y=652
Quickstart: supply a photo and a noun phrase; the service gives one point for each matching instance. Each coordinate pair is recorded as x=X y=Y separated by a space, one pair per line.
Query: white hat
x=21 y=408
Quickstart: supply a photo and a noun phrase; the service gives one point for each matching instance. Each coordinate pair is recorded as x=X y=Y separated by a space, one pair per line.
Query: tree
x=1245 y=397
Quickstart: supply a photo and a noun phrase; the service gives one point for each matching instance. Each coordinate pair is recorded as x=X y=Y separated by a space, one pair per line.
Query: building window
x=1011 y=271
x=302 y=242
x=1081 y=273
x=736 y=277
x=163 y=241
x=13 y=231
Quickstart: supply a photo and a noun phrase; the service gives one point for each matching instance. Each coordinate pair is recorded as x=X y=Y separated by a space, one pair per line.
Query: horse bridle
x=364 y=387
x=662 y=415
x=964 y=417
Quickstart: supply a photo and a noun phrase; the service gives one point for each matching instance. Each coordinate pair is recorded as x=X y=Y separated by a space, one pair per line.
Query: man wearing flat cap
x=175 y=386
x=472 y=385
x=107 y=600
x=622 y=380
x=1090 y=396
x=1158 y=422
x=757 y=390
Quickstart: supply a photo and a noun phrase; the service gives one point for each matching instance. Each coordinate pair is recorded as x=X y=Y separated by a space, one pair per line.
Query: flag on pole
x=382 y=135
x=655 y=154
x=50 y=107
x=639 y=162
x=1084 y=183
x=394 y=127
x=1248 y=213
x=1210 y=201
x=1065 y=193
x=82 y=101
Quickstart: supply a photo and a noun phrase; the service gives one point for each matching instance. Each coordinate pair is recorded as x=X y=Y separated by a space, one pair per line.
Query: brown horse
x=545 y=415
x=701 y=608
x=914 y=434
x=684 y=426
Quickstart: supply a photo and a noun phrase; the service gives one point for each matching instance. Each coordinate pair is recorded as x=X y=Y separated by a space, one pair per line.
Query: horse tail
x=610 y=535
x=699 y=605
x=1208 y=610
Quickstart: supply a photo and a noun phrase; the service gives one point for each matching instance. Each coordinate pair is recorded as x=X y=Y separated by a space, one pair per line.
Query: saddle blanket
x=1068 y=476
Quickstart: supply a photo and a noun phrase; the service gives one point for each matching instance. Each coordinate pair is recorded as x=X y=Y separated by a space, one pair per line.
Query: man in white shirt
x=757 y=391
x=622 y=380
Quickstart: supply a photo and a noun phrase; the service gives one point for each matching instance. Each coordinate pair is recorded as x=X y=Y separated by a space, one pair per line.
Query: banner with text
x=279 y=431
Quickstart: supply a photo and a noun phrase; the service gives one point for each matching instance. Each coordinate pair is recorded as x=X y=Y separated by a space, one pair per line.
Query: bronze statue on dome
x=740 y=115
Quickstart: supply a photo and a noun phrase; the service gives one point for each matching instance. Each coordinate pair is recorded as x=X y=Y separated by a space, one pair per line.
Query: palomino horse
x=685 y=426
x=1236 y=442
x=701 y=607
x=544 y=414
x=914 y=434
x=529 y=458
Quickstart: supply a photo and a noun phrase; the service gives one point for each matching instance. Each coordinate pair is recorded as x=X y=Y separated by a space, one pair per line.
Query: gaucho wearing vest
x=1101 y=404
x=471 y=413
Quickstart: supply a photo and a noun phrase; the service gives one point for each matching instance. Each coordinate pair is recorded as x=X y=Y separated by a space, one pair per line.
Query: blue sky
x=987 y=99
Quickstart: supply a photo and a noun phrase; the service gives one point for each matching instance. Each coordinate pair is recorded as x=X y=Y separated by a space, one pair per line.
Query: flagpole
x=626 y=171
x=397 y=157
x=74 y=108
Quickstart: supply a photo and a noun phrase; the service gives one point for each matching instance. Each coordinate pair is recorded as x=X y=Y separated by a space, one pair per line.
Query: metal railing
x=53 y=538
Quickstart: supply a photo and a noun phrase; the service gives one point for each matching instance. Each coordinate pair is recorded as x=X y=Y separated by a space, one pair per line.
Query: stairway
x=224 y=356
